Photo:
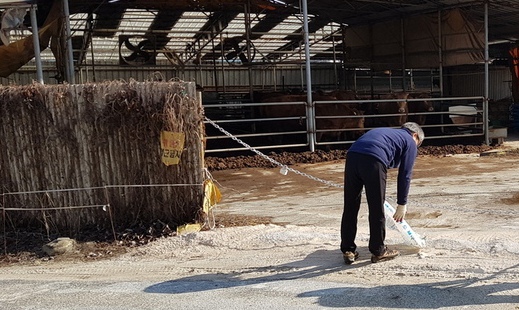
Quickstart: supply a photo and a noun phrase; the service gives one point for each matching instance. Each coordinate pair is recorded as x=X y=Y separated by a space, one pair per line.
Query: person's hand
x=400 y=213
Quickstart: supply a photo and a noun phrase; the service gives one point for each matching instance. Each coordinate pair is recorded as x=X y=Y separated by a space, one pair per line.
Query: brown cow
x=296 y=111
x=289 y=110
x=339 y=122
x=393 y=107
x=344 y=94
x=347 y=95
x=321 y=109
x=419 y=107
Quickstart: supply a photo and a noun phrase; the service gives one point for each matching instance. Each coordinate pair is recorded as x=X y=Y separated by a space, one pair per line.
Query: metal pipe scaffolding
x=71 y=79
x=309 y=107
x=36 y=43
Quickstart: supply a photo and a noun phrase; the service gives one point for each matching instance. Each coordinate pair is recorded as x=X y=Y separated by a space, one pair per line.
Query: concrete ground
x=466 y=206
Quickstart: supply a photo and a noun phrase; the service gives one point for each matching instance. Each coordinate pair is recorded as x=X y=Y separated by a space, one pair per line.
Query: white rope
x=104 y=206
x=95 y=188
x=210 y=220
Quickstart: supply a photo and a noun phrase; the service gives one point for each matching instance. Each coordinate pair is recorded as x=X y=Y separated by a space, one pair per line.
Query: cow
x=336 y=119
x=296 y=113
x=347 y=95
x=261 y=96
x=398 y=108
x=344 y=94
x=419 y=107
x=321 y=109
x=289 y=110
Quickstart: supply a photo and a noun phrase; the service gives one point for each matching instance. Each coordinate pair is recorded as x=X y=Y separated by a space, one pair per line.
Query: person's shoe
x=386 y=255
x=350 y=257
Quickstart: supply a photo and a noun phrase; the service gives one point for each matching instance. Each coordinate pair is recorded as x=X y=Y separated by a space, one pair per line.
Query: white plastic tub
x=463 y=114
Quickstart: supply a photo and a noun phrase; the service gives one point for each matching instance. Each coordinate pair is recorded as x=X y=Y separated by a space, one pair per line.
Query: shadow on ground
x=434 y=295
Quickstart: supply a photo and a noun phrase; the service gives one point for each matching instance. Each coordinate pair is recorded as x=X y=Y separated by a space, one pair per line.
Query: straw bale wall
x=76 y=156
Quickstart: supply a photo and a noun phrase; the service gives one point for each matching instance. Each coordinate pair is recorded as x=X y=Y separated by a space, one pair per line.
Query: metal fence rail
x=283 y=125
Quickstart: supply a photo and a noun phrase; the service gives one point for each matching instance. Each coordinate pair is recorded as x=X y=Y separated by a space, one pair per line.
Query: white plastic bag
x=410 y=237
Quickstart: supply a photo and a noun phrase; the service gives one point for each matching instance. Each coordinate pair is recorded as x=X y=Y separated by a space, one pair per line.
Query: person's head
x=416 y=131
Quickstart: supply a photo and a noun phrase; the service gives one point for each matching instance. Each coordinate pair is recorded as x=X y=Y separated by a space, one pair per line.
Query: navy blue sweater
x=394 y=148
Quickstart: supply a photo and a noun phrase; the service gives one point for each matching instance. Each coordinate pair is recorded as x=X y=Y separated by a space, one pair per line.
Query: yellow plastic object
x=172 y=144
x=188 y=228
x=212 y=195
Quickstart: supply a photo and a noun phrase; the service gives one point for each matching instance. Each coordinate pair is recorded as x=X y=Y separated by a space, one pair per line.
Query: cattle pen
x=296 y=129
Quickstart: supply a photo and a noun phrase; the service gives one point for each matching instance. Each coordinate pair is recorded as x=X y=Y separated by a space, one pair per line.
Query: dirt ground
x=25 y=248
x=290 y=158
x=273 y=227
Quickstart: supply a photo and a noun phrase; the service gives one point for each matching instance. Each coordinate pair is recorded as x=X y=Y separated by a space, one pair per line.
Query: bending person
x=367 y=162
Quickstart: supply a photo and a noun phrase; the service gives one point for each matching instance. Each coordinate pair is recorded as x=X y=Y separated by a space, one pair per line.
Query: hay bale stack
x=90 y=155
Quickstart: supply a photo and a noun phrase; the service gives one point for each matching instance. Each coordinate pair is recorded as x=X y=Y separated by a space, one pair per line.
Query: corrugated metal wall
x=470 y=81
x=228 y=77
x=462 y=81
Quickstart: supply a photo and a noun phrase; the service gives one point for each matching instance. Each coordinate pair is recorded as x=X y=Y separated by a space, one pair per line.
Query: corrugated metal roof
x=216 y=30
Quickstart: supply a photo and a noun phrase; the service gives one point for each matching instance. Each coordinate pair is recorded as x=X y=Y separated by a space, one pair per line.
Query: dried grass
x=95 y=138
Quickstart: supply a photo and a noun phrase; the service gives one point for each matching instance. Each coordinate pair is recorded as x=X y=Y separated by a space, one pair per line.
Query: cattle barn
x=291 y=75
x=240 y=51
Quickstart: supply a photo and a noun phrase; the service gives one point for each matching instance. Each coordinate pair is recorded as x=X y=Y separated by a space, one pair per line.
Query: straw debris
x=90 y=154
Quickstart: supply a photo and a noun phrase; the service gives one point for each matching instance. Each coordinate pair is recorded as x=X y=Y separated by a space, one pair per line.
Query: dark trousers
x=368 y=172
